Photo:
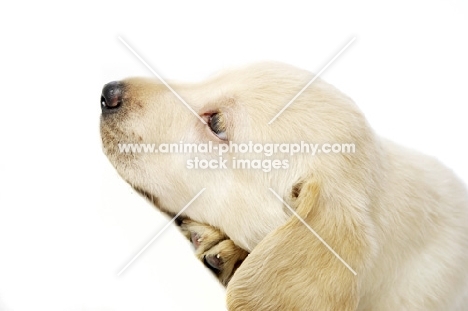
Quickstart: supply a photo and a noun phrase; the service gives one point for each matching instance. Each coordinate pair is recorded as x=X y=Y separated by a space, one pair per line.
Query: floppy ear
x=291 y=269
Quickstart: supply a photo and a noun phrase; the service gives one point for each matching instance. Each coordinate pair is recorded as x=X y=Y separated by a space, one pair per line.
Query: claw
x=196 y=240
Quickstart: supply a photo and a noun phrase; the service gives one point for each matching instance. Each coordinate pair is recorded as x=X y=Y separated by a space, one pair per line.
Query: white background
x=68 y=223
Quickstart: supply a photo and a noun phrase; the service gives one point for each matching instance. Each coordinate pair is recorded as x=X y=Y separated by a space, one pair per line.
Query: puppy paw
x=214 y=249
x=224 y=259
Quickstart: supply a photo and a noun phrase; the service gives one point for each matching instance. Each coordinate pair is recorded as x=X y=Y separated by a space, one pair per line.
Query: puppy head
x=237 y=107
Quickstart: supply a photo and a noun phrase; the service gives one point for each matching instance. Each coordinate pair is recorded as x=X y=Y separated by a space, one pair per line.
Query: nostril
x=103 y=101
x=111 y=96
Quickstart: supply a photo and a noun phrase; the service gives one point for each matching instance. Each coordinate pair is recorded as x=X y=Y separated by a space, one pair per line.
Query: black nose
x=111 y=96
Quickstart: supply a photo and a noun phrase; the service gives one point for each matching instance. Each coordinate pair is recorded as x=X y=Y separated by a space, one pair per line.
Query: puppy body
x=405 y=258
x=396 y=217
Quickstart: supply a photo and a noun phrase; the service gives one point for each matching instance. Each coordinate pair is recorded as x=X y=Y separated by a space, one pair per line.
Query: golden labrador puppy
x=390 y=224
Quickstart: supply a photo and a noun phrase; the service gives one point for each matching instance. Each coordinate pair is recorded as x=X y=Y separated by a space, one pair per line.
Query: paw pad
x=196 y=239
x=213 y=262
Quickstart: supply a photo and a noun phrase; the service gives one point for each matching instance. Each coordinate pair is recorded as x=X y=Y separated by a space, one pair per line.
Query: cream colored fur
x=397 y=217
